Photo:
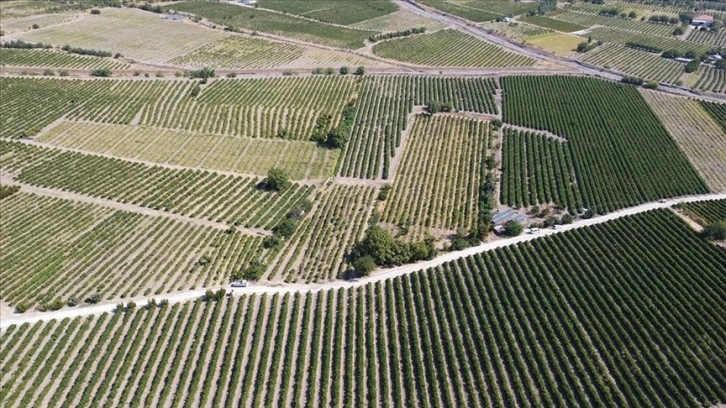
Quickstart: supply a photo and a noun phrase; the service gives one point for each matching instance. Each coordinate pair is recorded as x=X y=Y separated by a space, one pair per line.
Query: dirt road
x=377 y=276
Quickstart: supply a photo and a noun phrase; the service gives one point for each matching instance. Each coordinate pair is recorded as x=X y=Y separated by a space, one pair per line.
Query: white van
x=239 y=284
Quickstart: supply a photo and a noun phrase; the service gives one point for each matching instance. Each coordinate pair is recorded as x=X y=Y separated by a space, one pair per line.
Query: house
x=704 y=20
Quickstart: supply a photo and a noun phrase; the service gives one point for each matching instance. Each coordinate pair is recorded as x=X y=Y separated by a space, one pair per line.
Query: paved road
x=377 y=276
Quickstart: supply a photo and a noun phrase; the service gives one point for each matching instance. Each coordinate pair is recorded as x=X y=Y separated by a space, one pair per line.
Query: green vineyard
x=551 y=323
x=712 y=79
x=706 y=212
x=437 y=183
x=240 y=52
x=717 y=111
x=384 y=108
x=55 y=59
x=78 y=250
x=201 y=194
x=635 y=63
x=318 y=250
x=621 y=152
x=301 y=160
x=449 y=48
x=537 y=170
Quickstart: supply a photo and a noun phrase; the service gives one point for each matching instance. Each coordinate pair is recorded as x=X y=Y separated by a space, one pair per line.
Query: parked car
x=239 y=284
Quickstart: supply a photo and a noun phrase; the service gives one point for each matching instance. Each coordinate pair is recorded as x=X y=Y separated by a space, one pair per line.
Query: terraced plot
x=712 y=79
x=437 y=183
x=54 y=59
x=383 y=107
x=333 y=11
x=589 y=20
x=398 y=21
x=698 y=135
x=708 y=37
x=449 y=48
x=78 y=250
x=130 y=32
x=706 y=212
x=195 y=193
x=537 y=170
x=528 y=323
x=618 y=36
x=637 y=63
x=318 y=249
x=253 y=19
x=240 y=52
x=300 y=160
x=622 y=154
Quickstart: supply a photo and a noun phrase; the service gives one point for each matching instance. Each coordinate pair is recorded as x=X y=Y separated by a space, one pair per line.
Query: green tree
x=716 y=231
x=379 y=244
x=361 y=70
x=513 y=228
x=285 y=228
x=364 y=265
x=344 y=70
x=277 y=180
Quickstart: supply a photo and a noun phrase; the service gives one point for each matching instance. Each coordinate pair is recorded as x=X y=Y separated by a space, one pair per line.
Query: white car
x=239 y=284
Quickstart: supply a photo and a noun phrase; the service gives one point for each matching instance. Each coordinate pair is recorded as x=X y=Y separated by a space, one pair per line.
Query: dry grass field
x=134 y=33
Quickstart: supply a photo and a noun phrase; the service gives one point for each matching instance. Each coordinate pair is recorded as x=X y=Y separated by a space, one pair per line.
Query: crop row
x=622 y=154
x=54 y=59
x=554 y=322
x=716 y=39
x=698 y=135
x=618 y=36
x=195 y=193
x=589 y=20
x=717 y=111
x=237 y=52
x=78 y=250
x=253 y=19
x=437 y=183
x=706 y=212
x=712 y=79
x=634 y=62
x=450 y=48
x=383 y=107
x=177 y=147
x=317 y=250
x=537 y=169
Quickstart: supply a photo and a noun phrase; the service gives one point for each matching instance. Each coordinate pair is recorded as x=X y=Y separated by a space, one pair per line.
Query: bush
x=48 y=72
x=203 y=73
x=101 y=72
x=383 y=192
x=318 y=71
x=272 y=242
x=652 y=85
x=344 y=70
x=73 y=301
x=95 y=11
x=63 y=72
x=231 y=75
x=35 y=26
x=86 y=51
x=285 y=228
x=93 y=299
x=195 y=91
x=715 y=231
x=254 y=271
x=692 y=66
x=360 y=71
x=24 y=45
x=22 y=307
x=329 y=71
x=364 y=265
x=513 y=228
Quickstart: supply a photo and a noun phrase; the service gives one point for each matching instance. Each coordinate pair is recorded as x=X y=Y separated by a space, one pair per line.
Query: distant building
x=704 y=20
x=248 y=2
x=175 y=17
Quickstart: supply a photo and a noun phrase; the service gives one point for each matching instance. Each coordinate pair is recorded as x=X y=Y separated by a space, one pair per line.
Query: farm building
x=704 y=20
x=175 y=17
x=506 y=216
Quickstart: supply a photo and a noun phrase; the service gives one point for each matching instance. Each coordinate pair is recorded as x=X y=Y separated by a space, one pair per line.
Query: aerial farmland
x=396 y=203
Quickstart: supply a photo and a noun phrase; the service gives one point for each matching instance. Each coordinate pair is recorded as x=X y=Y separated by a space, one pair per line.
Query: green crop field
x=437 y=183
x=299 y=159
x=613 y=135
x=712 y=79
x=633 y=62
x=469 y=13
x=193 y=193
x=333 y=11
x=589 y=20
x=231 y=15
x=552 y=24
x=554 y=323
x=618 y=36
x=537 y=170
x=240 y=52
x=53 y=59
x=449 y=48
x=706 y=212
x=717 y=111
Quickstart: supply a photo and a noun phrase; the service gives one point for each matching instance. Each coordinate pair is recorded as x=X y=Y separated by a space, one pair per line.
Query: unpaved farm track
x=377 y=276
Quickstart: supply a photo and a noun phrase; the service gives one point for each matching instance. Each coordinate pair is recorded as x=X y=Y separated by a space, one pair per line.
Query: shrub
x=285 y=228
x=48 y=72
x=513 y=228
x=203 y=73
x=101 y=72
x=361 y=70
x=715 y=231
x=652 y=85
x=35 y=26
x=231 y=75
x=93 y=299
x=73 y=301
x=364 y=265
x=692 y=66
x=22 y=307
x=344 y=70
x=95 y=11
x=329 y=71
x=63 y=72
